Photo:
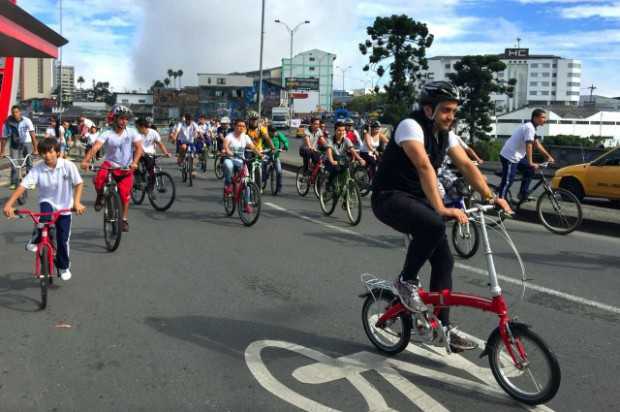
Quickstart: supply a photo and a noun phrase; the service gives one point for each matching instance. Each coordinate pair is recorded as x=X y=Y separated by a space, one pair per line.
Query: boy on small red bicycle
x=60 y=187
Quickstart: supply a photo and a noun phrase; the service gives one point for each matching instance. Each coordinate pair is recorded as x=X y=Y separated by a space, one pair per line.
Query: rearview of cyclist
x=406 y=194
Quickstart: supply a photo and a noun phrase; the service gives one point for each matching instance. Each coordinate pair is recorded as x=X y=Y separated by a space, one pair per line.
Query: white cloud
x=608 y=11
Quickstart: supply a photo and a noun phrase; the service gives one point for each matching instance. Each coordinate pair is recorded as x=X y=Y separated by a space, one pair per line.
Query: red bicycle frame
x=44 y=241
x=315 y=171
x=238 y=181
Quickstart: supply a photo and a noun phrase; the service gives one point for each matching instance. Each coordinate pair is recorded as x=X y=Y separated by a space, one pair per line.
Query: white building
x=217 y=80
x=316 y=64
x=541 y=79
x=134 y=98
x=565 y=120
x=65 y=77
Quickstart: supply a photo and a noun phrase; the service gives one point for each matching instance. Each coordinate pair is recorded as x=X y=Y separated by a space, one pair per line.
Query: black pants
x=410 y=215
x=308 y=154
x=148 y=163
x=371 y=163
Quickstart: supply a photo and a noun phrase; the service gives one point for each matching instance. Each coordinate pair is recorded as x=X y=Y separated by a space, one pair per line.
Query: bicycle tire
x=190 y=171
x=229 y=204
x=387 y=299
x=273 y=181
x=360 y=174
x=112 y=219
x=328 y=199
x=184 y=171
x=473 y=234
x=320 y=178
x=45 y=275
x=569 y=199
x=160 y=186
x=521 y=332
x=352 y=197
x=138 y=190
x=217 y=167
x=255 y=203
x=302 y=181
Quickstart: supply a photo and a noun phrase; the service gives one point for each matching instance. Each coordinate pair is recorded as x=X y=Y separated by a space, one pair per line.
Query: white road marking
x=566 y=296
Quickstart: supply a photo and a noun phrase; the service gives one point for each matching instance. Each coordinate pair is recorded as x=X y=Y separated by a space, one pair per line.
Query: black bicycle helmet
x=436 y=92
x=375 y=123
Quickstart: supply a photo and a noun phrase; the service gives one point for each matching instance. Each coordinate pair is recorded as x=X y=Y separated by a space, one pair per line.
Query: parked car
x=599 y=178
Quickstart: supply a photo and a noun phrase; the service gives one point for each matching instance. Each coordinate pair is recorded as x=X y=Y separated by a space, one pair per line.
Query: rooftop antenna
x=518 y=42
x=592 y=88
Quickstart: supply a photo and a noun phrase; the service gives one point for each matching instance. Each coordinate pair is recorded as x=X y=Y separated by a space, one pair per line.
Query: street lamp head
x=277 y=20
x=307 y=22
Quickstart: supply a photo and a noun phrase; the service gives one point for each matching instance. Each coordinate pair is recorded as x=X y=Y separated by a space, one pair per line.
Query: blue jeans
x=509 y=171
x=278 y=168
x=231 y=166
x=63 y=234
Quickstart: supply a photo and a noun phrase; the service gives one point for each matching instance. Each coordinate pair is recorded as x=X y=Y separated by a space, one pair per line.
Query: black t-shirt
x=396 y=172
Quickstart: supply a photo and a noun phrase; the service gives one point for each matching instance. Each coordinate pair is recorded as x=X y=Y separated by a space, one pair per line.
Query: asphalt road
x=197 y=312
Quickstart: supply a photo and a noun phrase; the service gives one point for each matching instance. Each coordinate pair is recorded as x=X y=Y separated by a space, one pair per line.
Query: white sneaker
x=65 y=274
x=31 y=247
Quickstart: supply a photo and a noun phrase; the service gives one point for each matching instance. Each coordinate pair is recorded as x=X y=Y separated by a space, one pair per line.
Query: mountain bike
x=344 y=187
x=521 y=361
x=160 y=187
x=44 y=267
x=218 y=159
x=187 y=165
x=112 y=210
x=558 y=210
x=245 y=196
x=21 y=167
x=306 y=178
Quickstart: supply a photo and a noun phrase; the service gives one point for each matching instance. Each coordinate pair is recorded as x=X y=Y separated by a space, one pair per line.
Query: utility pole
x=260 y=64
x=292 y=33
x=343 y=70
x=60 y=66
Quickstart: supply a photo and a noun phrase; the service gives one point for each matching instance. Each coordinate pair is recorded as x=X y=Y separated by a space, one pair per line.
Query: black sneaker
x=99 y=203
x=124 y=226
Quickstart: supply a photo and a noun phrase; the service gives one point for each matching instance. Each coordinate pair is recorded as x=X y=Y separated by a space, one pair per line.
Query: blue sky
x=131 y=43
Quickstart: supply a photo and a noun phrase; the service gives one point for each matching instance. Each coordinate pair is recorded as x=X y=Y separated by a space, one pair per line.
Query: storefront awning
x=21 y=35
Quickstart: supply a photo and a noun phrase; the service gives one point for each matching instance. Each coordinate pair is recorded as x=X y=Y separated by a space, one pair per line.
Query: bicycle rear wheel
x=45 y=276
x=353 y=202
x=391 y=337
x=229 y=204
x=249 y=204
x=302 y=181
x=327 y=198
x=112 y=221
x=536 y=376
x=163 y=193
x=559 y=211
x=465 y=239
x=190 y=171
x=217 y=167
x=321 y=178
x=360 y=174
x=273 y=181
x=138 y=190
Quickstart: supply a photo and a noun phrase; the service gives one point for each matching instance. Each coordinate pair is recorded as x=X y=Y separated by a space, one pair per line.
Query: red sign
x=299 y=95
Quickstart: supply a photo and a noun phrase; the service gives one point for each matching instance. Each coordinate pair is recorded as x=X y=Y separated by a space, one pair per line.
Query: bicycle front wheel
x=302 y=181
x=163 y=193
x=465 y=239
x=112 y=221
x=328 y=197
x=353 y=203
x=249 y=204
x=138 y=191
x=559 y=211
x=45 y=276
x=190 y=171
x=535 y=376
x=217 y=167
x=273 y=181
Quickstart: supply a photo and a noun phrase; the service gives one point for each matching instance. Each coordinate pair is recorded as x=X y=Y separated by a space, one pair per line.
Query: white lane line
x=566 y=296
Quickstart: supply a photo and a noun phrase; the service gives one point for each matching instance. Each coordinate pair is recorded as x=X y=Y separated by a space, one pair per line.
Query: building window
x=608 y=123
x=508 y=121
x=553 y=93
x=311 y=68
x=533 y=93
x=125 y=101
x=218 y=93
x=311 y=59
x=566 y=122
x=221 y=80
x=40 y=75
x=546 y=65
x=534 y=74
x=142 y=101
x=544 y=93
x=546 y=74
x=575 y=75
x=447 y=66
x=544 y=84
x=534 y=65
x=572 y=84
x=208 y=80
x=553 y=84
x=582 y=122
x=554 y=65
x=574 y=65
x=555 y=75
x=572 y=93
x=533 y=84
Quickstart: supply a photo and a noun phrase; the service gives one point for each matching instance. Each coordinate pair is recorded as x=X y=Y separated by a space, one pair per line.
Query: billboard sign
x=295 y=83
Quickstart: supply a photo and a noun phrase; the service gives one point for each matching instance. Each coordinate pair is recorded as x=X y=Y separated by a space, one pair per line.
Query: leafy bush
x=488 y=149
x=572 y=140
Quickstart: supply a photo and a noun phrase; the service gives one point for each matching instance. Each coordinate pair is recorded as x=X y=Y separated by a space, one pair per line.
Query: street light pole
x=260 y=64
x=292 y=34
x=343 y=70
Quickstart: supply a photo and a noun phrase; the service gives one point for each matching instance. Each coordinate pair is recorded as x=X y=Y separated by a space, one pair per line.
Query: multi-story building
x=65 y=77
x=316 y=64
x=141 y=104
x=541 y=79
x=225 y=94
x=272 y=87
x=35 y=78
x=170 y=104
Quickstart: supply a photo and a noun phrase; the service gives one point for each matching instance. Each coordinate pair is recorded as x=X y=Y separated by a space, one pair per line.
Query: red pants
x=124 y=180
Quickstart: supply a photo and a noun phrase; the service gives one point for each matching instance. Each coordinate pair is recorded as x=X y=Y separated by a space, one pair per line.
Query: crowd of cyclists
x=410 y=173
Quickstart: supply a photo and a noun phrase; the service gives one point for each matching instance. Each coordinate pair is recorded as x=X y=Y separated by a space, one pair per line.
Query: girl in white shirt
x=56 y=131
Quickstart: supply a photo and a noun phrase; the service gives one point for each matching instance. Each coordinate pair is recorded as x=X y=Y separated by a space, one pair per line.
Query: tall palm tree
x=167 y=81
x=81 y=81
x=170 y=72
x=175 y=75
x=180 y=73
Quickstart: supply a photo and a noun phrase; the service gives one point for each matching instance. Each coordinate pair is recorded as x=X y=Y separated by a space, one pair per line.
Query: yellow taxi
x=599 y=178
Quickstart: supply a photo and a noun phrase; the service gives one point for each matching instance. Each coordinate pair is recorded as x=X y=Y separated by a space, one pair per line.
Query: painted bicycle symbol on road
x=351 y=367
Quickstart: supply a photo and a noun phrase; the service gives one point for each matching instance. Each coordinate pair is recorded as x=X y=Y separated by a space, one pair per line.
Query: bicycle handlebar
x=36 y=217
x=95 y=168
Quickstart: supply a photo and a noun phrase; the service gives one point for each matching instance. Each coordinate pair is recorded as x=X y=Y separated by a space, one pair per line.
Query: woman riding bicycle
x=374 y=140
x=337 y=151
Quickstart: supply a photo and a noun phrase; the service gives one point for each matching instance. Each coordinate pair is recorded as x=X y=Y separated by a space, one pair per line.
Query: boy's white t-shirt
x=55 y=186
x=149 y=140
x=515 y=148
x=409 y=129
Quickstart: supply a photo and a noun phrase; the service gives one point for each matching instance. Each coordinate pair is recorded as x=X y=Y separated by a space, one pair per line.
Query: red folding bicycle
x=521 y=362
x=307 y=177
x=245 y=196
x=44 y=268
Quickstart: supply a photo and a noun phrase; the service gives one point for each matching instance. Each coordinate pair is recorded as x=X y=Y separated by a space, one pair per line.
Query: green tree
x=367 y=103
x=167 y=81
x=180 y=74
x=400 y=43
x=476 y=77
x=81 y=81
